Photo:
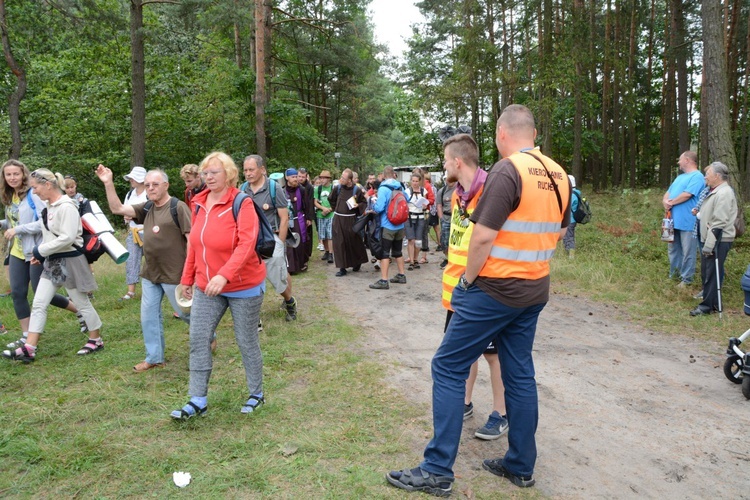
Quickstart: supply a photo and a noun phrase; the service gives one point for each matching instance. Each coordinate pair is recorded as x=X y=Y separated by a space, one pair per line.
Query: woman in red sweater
x=227 y=273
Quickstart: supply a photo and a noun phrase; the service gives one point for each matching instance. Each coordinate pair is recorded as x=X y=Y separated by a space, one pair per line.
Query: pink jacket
x=219 y=245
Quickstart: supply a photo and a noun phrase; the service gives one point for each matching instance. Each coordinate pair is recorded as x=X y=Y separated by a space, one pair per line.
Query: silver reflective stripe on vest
x=521 y=255
x=519 y=226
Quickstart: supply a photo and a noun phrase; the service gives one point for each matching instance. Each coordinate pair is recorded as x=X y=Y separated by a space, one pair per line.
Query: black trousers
x=708 y=274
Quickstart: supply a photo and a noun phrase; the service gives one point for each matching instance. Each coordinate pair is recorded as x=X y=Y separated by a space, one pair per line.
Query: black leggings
x=21 y=274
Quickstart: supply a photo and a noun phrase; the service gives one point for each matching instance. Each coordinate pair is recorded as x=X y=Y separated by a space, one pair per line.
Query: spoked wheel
x=746 y=387
x=733 y=370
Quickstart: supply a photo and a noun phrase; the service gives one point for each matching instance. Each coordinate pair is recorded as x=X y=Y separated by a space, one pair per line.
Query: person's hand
x=694 y=211
x=216 y=285
x=104 y=174
x=308 y=223
x=187 y=292
x=34 y=261
x=707 y=252
x=10 y=233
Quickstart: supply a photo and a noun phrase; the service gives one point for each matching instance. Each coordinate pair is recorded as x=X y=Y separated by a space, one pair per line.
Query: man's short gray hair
x=720 y=169
x=159 y=171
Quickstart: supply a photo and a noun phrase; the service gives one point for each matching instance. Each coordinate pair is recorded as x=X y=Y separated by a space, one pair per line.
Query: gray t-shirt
x=263 y=198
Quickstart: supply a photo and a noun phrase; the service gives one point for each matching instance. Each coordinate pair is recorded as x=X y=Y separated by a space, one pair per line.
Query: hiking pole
x=717 y=234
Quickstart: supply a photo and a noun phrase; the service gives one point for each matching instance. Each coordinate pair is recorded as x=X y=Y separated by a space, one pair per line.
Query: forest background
x=619 y=87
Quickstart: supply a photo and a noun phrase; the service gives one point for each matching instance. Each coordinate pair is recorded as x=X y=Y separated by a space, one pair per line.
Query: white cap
x=138 y=174
x=572 y=180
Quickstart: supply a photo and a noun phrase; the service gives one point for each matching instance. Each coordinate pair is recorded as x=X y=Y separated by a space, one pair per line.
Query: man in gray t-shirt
x=260 y=189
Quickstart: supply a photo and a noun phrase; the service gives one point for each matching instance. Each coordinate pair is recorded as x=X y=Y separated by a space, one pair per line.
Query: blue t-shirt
x=691 y=183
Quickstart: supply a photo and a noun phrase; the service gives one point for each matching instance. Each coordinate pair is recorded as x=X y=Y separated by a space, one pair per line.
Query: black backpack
x=582 y=214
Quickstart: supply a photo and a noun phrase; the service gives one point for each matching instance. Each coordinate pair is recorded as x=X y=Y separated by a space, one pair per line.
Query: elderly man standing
x=717 y=216
x=166 y=224
x=680 y=198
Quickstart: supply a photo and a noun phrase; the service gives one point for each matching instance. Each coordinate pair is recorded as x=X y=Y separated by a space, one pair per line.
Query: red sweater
x=218 y=245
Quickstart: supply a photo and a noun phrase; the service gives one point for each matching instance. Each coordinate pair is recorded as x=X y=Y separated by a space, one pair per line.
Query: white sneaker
x=320 y=247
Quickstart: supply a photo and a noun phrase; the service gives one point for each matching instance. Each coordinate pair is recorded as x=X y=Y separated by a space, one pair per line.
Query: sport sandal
x=92 y=345
x=419 y=480
x=22 y=354
x=253 y=404
x=189 y=411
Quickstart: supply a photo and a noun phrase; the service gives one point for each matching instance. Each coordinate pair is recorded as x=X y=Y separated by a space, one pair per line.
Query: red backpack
x=398 y=207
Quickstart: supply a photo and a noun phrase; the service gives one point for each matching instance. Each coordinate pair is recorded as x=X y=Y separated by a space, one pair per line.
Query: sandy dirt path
x=624 y=412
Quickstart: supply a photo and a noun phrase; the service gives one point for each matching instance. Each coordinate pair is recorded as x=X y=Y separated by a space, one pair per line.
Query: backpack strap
x=172 y=210
x=32 y=205
x=237 y=203
x=272 y=187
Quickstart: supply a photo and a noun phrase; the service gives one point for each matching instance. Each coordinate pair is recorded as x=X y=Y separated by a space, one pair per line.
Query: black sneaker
x=468 y=410
x=419 y=480
x=325 y=256
x=444 y=263
x=496 y=467
x=380 y=285
x=399 y=278
x=291 y=310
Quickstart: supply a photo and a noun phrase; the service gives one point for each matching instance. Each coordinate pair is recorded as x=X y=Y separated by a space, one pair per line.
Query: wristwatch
x=464 y=283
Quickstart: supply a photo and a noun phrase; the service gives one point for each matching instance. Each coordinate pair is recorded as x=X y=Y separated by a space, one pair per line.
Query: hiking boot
x=291 y=309
x=420 y=480
x=330 y=258
x=325 y=256
x=496 y=467
x=468 y=410
x=380 y=285
x=399 y=278
x=495 y=427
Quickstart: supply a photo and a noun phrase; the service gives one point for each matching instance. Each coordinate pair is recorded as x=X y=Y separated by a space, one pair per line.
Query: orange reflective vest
x=525 y=244
x=458 y=245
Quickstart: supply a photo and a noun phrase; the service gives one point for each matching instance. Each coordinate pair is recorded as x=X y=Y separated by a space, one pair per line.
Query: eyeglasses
x=153 y=185
x=212 y=173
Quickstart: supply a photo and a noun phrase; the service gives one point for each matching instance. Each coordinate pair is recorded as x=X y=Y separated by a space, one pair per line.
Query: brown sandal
x=145 y=366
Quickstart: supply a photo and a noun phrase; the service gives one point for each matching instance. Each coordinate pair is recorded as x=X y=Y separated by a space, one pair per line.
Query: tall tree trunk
x=668 y=111
x=237 y=39
x=14 y=101
x=138 y=83
x=632 y=107
x=647 y=109
x=680 y=48
x=720 y=147
x=579 y=30
x=260 y=78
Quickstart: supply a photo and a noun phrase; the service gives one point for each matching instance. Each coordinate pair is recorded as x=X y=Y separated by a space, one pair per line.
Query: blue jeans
x=682 y=253
x=151 y=318
x=477 y=320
